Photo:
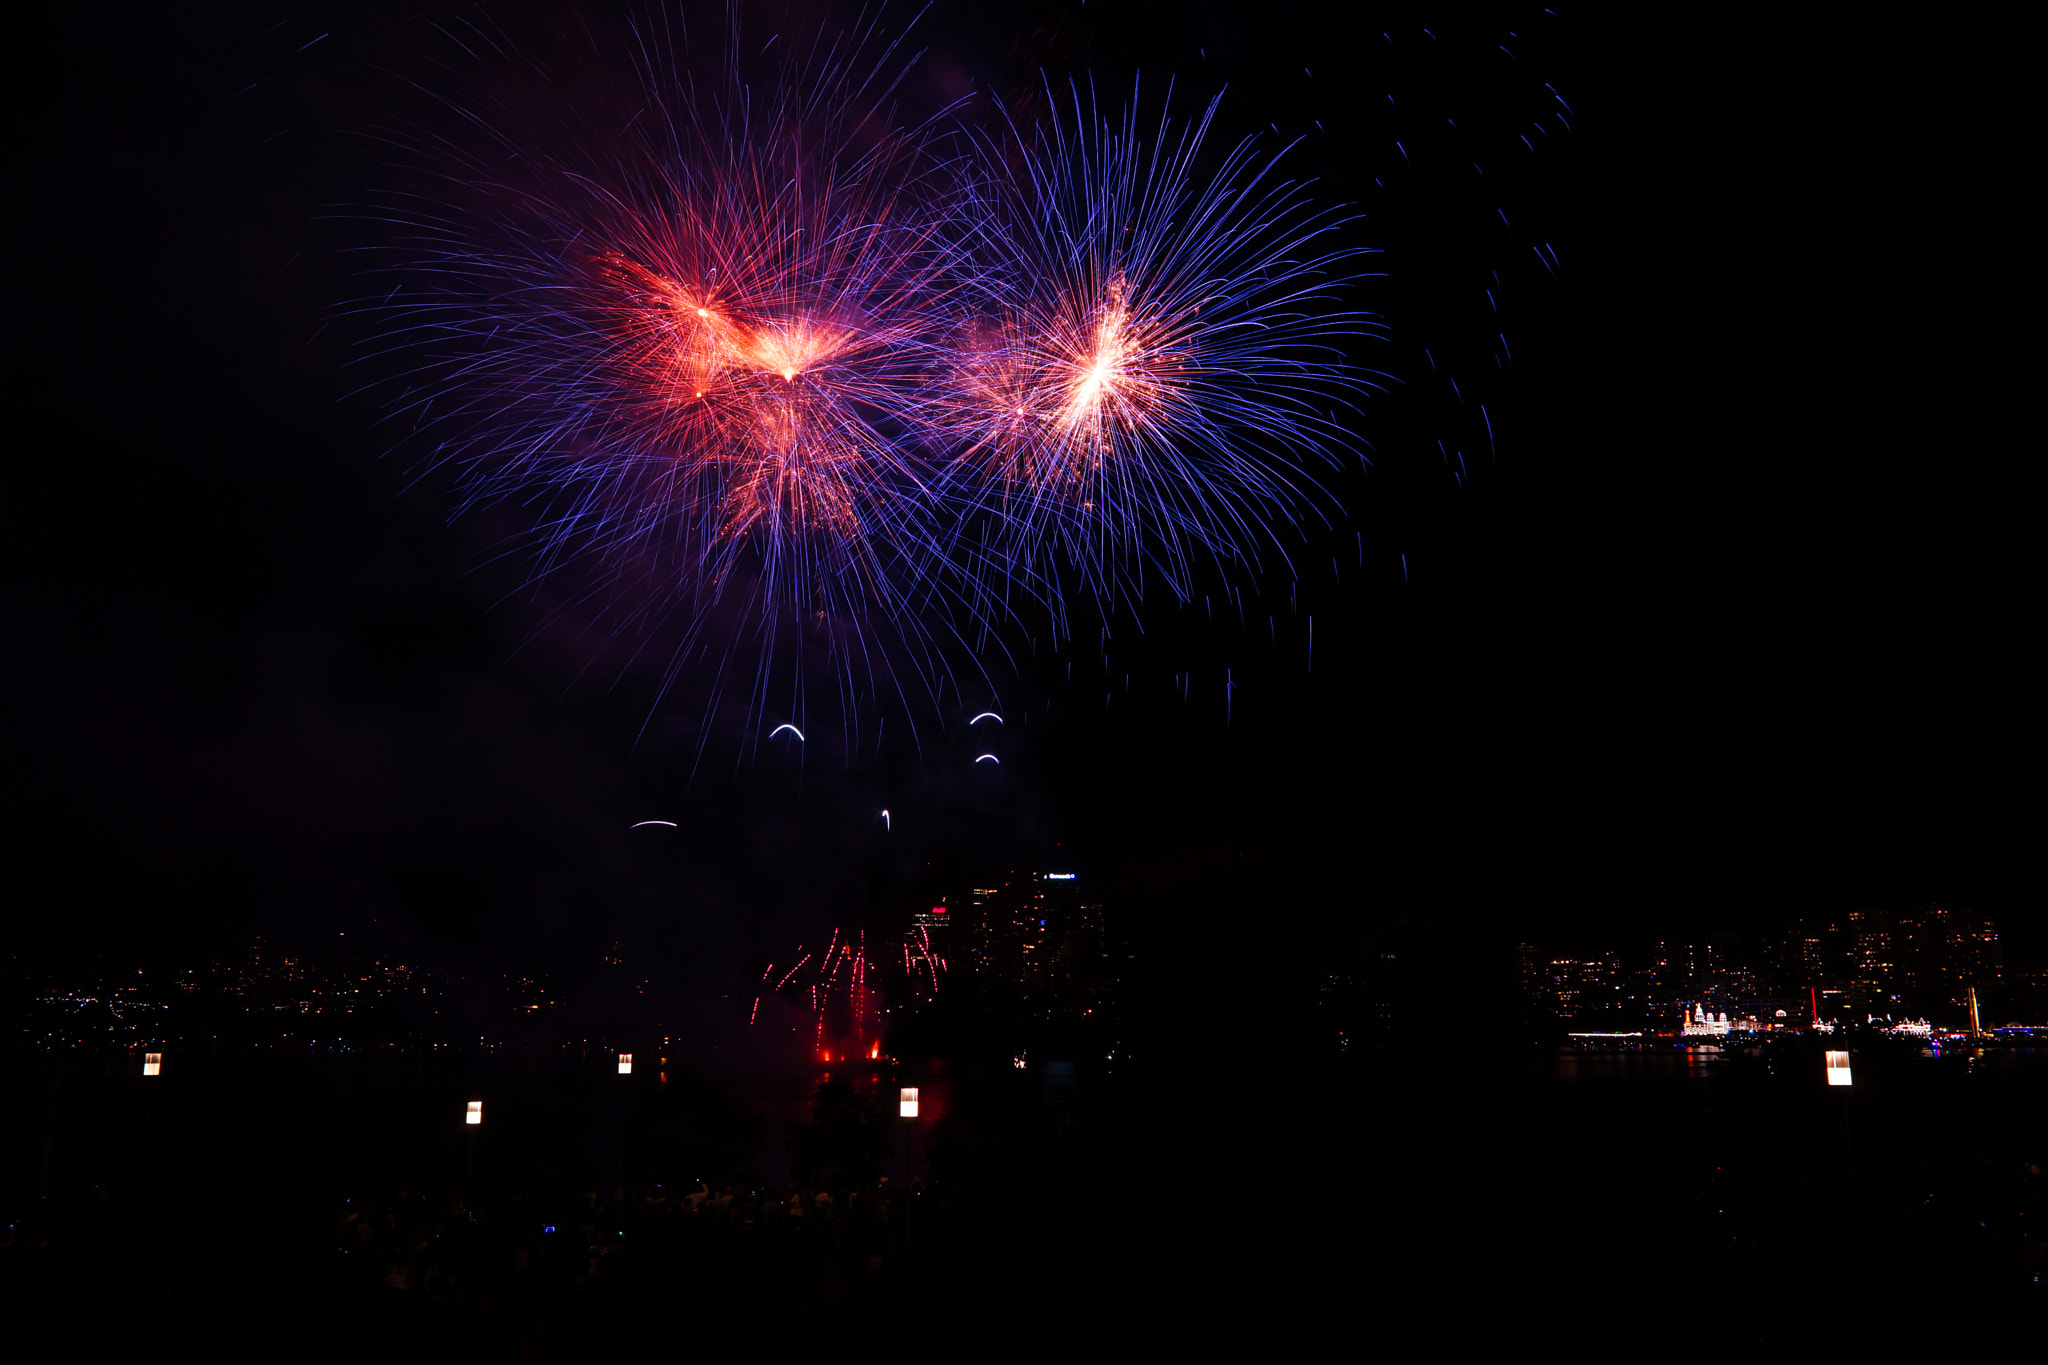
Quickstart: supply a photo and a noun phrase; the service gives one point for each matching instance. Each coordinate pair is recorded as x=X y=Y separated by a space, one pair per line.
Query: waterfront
x=1398 y=1183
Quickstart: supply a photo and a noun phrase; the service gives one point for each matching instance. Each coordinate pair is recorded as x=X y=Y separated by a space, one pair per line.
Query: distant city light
x=625 y=1063
x=152 y=1063
x=1703 y=1024
x=476 y=1113
x=906 y=1104
x=1838 y=1068
x=1059 y=876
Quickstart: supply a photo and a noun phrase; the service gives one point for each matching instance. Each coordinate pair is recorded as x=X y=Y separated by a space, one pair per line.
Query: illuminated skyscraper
x=935 y=924
x=1035 y=930
x=989 y=929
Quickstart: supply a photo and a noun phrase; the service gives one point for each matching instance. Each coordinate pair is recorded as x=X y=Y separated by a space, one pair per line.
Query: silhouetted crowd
x=789 y=1253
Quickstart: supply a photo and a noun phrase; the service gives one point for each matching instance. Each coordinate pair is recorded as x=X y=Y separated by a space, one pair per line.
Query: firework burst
x=771 y=370
x=1153 y=380
x=693 y=340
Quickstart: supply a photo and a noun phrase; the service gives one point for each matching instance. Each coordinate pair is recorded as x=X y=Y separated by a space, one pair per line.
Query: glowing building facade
x=1039 y=931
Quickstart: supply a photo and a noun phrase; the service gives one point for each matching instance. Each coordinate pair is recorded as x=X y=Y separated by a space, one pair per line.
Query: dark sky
x=1723 y=625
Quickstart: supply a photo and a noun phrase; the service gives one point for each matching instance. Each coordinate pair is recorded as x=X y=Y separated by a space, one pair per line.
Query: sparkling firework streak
x=931 y=961
x=840 y=993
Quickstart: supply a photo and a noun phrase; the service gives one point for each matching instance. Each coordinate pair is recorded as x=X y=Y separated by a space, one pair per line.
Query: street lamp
x=1838 y=1068
x=906 y=1104
x=625 y=1063
x=152 y=1063
x=476 y=1113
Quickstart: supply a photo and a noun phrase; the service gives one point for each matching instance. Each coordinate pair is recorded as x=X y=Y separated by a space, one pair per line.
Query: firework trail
x=841 y=976
x=839 y=993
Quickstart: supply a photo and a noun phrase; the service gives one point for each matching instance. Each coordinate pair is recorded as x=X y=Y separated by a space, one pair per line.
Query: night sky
x=1725 y=624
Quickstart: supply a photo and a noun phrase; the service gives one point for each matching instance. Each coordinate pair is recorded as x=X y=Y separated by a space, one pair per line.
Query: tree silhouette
x=846 y=1141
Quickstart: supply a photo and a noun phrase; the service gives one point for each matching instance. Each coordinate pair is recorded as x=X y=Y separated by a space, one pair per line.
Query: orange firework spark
x=761 y=405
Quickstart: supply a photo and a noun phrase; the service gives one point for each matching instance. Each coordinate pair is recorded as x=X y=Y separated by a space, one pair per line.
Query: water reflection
x=1631 y=1064
x=1595 y=1064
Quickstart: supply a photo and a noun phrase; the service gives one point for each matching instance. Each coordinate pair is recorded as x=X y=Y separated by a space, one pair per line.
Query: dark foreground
x=256 y=1202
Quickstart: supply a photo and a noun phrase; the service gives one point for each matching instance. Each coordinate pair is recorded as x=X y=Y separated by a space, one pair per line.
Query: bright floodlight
x=906 y=1107
x=625 y=1063
x=152 y=1063
x=1838 y=1068
x=475 y=1114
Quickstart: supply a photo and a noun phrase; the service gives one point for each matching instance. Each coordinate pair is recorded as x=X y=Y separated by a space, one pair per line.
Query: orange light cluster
x=759 y=404
x=1044 y=401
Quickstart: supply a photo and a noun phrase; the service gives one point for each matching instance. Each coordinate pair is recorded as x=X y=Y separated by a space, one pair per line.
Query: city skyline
x=1920 y=961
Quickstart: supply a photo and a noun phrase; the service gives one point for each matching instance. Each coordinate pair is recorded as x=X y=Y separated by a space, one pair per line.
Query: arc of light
x=885 y=821
x=791 y=728
x=990 y=758
x=637 y=824
x=986 y=715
